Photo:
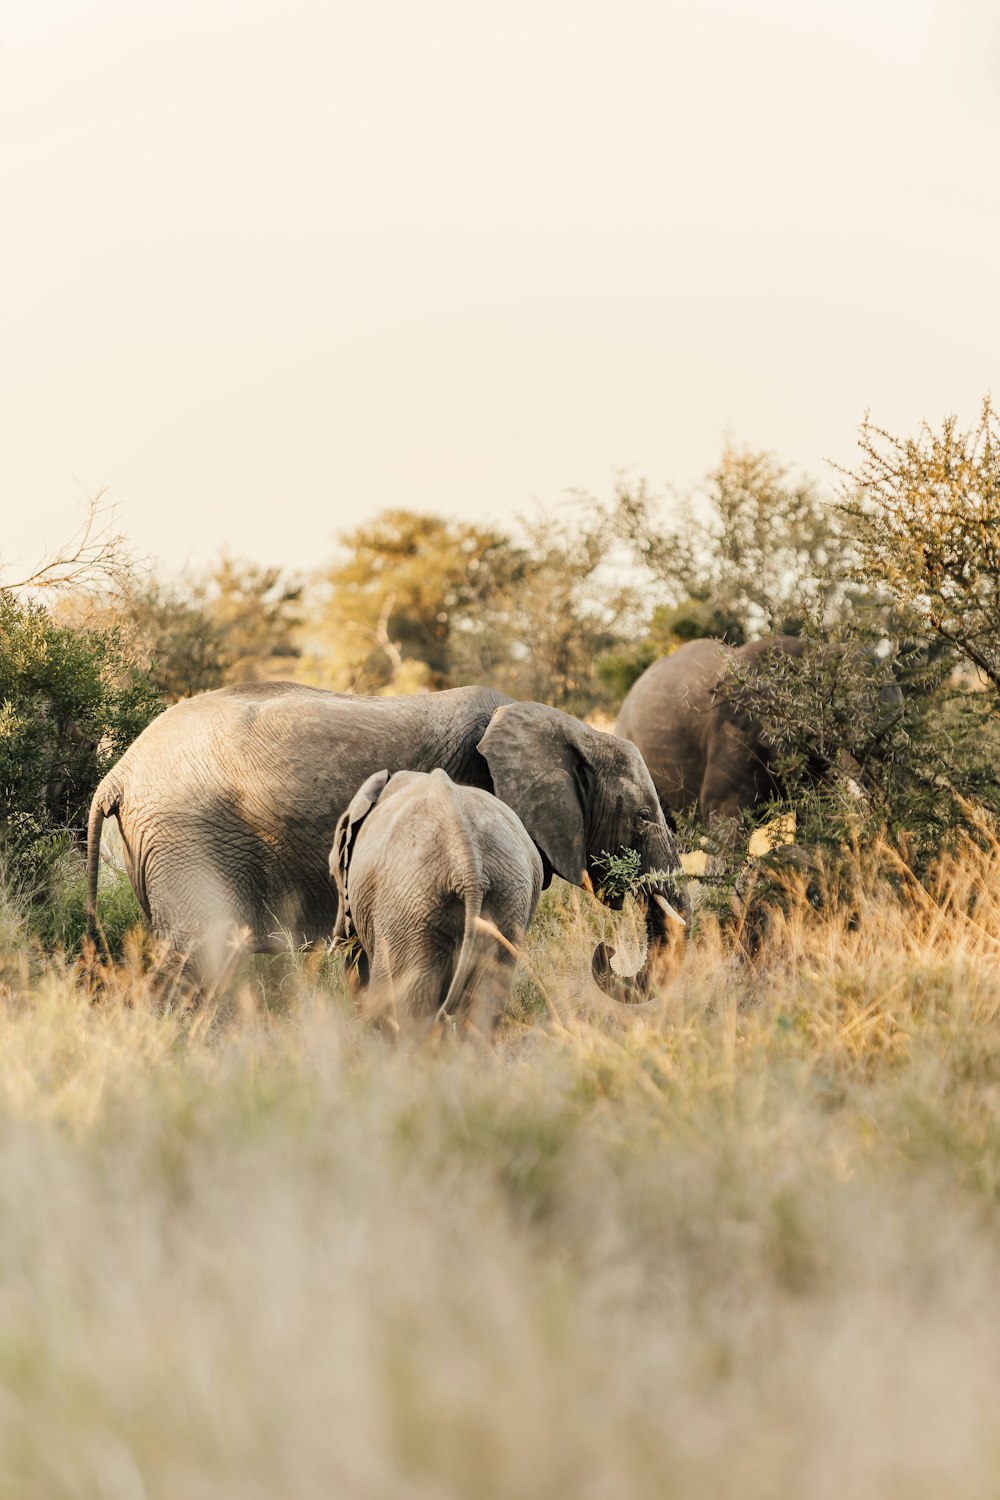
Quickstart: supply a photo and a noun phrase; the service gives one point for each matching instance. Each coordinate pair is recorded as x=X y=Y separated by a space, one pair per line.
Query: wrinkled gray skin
x=228 y=802
x=701 y=751
x=420 y=866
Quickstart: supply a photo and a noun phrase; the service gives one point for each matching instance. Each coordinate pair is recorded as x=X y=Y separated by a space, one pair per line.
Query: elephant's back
x=666 y=715
x=301 y=741
x=692 y=669
x=465 y=836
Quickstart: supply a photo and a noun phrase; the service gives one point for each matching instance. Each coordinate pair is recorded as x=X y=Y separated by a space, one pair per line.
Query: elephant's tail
x=473 y=906
x=105 y=801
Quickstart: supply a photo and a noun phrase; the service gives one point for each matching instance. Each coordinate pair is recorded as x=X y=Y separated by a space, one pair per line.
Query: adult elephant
x=228 y=802
x=702 y=751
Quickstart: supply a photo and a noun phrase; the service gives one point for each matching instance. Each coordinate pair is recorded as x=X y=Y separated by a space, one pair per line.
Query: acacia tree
x=572 y=606
x=172 y=632
x=754 y=550
x=418 y=601
x=926 y=513
x=257 y=610
x=414 y=601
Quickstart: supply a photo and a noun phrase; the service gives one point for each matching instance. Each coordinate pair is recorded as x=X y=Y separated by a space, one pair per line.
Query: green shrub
x=71 y=701
x=868 y=786
x=60 y=920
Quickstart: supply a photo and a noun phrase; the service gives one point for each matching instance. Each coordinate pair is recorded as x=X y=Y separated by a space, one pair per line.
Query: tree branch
x=966 y=649
x=390 y=648
x=98 y=551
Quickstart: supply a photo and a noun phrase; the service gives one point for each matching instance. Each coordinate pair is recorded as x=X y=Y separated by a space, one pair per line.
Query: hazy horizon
x=266 y=276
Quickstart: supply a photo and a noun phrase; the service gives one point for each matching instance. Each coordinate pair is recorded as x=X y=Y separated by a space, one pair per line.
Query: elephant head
x=581 y=795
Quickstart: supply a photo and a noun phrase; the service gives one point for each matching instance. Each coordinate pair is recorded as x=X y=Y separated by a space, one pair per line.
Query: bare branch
x=97 y=553
x=390 y=647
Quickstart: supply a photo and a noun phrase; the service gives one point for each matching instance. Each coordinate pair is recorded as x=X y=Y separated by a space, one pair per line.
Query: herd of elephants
x=418 y=832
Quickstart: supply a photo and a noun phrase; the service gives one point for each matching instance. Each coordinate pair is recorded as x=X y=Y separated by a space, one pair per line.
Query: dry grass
x=741 y=1240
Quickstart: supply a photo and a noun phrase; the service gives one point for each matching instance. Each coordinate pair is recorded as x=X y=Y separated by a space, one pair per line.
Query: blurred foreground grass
x=741 y=1240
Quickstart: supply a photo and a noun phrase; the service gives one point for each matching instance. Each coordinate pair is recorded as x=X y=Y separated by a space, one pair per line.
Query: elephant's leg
x=725 y=791
x=730 y=781
x=413 y=966
x=423 y=986
x=424 y=993
x=486 y=993
x=194 y=907
x=376 y=1001
x=410 y=973
x=738 y=775
x=488 y=989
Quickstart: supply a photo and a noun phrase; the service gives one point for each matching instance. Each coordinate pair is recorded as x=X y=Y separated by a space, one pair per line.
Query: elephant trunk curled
x=662 y=924
x=666 y=915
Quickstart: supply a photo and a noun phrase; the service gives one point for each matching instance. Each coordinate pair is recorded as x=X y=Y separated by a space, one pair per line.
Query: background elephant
x=420 y=864
x=228 y=802
x=701 y=750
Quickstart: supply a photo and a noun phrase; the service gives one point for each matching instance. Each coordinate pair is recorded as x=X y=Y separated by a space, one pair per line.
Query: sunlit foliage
x=927 y=517
x=571 y=609
x=413 y=601
x=237 y=621
x=71 y=701
x=416 y=601
x=748 y=553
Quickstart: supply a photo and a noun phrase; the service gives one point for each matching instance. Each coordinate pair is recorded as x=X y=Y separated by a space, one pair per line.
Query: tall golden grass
x=742 y=1239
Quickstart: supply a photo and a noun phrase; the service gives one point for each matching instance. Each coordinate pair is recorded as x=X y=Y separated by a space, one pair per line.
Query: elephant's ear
x=538 y=766
x=344 y=839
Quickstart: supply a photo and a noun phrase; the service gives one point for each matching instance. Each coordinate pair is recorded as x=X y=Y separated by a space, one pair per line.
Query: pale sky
x=267 y=268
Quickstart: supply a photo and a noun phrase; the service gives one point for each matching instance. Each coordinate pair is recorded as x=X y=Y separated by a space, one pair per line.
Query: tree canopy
x=926 y=512
x=412 y=601
x=752 y=551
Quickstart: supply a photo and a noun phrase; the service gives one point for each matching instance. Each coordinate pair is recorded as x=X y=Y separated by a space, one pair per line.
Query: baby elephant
x=429 y=876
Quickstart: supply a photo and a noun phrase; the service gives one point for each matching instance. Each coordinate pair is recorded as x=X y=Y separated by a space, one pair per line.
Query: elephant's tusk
x=665 y=906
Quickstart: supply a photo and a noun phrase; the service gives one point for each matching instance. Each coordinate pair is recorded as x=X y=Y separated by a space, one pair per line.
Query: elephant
x=438 y=882
x=702 y=751
x=227 y=804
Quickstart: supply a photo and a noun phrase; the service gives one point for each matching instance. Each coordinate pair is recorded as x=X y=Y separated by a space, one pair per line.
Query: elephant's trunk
x=667 y=915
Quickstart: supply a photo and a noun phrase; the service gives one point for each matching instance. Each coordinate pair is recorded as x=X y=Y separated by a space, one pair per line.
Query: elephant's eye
x=643 y=815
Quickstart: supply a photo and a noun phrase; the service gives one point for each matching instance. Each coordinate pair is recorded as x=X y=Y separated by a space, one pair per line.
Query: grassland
x=739 y=1240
